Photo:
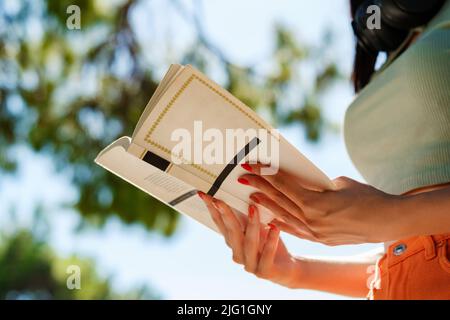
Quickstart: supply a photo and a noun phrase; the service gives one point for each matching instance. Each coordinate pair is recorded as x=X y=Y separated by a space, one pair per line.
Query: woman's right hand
x=257 y=247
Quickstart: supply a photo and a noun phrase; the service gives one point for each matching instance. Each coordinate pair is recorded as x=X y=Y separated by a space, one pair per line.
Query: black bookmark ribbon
x=156 y=161
x=162 y=164
x=232 y=164
x=183 y=197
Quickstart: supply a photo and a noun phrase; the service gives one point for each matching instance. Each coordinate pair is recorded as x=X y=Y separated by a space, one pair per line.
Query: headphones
x=398 y=18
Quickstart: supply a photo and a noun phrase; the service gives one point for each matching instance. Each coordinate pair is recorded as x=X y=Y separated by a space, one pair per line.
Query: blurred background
x=68 y=90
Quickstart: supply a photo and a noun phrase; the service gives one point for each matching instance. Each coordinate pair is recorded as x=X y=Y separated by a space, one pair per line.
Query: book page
x=159 y=184
x=164 y=186
x=195 y=105
x=162 y=87
x=192 y=136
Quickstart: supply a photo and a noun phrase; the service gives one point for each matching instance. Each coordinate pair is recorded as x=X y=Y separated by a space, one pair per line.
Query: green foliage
x=66 y=93
x=271 y=92
x=29 y=269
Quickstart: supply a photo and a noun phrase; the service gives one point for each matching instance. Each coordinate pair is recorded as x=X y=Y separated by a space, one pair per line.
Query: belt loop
x=430 y=247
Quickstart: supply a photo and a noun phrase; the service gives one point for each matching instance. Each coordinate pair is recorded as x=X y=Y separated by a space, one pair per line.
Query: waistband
x=402 y=249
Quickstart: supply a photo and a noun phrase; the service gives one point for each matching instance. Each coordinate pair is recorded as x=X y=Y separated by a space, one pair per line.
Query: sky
x=195 y=263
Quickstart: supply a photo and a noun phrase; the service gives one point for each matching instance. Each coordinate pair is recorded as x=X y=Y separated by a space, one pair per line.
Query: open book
x=192 y=136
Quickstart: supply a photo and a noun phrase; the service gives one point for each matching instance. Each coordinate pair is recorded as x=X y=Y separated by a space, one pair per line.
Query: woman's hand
x=258 y=248
x=353 y=213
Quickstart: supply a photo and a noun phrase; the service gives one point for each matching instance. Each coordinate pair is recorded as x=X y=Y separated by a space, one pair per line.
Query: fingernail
x=201 y=194
x=272 y=226
x=251 y=211
x=246 y=166
x=254 y=198
x=243 y=181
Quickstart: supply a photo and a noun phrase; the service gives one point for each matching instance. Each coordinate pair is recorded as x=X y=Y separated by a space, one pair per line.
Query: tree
x=29 y=269
x=63 y=92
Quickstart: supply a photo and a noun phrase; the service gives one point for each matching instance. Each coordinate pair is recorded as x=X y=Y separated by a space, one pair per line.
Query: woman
x=397 y=132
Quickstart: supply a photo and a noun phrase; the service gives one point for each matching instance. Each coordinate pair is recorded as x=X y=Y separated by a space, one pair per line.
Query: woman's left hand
x=352 y=213
x=258 y=248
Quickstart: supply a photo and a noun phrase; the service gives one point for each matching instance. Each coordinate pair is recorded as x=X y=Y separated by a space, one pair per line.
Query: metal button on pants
x=399 y=249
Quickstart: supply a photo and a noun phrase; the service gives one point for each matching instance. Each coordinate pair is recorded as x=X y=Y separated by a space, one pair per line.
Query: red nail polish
x=272 y=226
x=251 y=212
x=247 y=167
x=243 y=181
x=200 y=194
x=254 y=198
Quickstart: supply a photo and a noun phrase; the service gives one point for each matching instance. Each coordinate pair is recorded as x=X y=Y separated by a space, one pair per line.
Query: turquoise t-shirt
x=397 y=131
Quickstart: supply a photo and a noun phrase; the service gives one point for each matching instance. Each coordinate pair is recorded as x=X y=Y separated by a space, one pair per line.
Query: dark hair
x=364 y=63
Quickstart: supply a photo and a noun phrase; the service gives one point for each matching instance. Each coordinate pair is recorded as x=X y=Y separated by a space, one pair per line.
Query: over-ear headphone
x=398 y=18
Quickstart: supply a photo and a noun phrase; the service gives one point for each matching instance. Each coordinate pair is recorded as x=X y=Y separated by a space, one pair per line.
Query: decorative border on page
x=172 y=102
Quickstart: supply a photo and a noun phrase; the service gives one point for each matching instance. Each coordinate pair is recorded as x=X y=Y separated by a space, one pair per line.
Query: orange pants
x=414 y=268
